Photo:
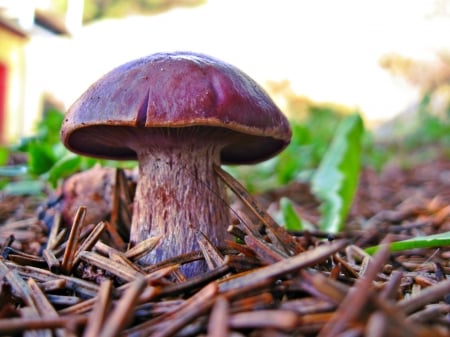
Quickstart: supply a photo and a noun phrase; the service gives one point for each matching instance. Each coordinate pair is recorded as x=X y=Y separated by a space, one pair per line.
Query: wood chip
x=41 y=302
x=188 y=311
x=277 y=319
x=121 y=258
x=120 y=270
x=100 y=311
x=142 y=248
x=79 y=286
x=18 y=285
x=71 y=246
x=283 y=240
x=212 y=255
x=267 y=282
x=52 y=261
x=426 y=296
x=352 y=306
x=291 y=264
x=120 y=212
x=89 y=242
x=257 y=302
x=43 y=306
x=53 y=241
x=218 y=320
x=18 y=325
x=265 y=251
x=124 y=310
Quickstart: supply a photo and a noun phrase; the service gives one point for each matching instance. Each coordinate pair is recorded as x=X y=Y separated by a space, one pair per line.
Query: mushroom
x=178 y=114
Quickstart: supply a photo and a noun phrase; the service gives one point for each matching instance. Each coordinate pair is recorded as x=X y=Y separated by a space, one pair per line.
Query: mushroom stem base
x=178 y=193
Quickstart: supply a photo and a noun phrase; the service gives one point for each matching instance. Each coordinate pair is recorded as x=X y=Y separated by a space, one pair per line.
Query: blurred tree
x=426 y=75
x=425 y=126
x=96 y=9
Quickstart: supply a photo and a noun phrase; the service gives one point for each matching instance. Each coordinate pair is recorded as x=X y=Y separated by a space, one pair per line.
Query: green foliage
x=332 y=169
x=431 y=128
x=98 y=9
x=44 y=149
x=41 y=157
x=424 y=136
x=45 y=154
x=430 y=241
x=291 y=220
x=4 y=155
x=336 y=179
x=418 y=136
x=47 y=131
x=69 y=164
x=374 y=155
x=48 y=160
x=310 y=139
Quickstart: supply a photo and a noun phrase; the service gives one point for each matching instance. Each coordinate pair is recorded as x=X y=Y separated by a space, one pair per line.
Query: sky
x=328 y=50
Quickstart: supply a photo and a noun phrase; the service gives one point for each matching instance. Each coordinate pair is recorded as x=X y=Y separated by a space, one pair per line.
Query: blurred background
x=380 y=58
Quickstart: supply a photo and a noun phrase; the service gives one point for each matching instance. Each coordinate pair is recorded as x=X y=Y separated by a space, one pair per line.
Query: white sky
x=329 y=50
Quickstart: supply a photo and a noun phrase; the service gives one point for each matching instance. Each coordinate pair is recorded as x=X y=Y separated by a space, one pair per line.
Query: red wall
x=3 y=75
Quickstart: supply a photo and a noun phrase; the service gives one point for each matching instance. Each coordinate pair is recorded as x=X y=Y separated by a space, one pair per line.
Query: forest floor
x=267 y=282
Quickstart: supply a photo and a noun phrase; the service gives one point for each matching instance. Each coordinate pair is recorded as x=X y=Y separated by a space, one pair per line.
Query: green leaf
x=3 y=182
x=49 y=127
x=4 y=155
x=64 y=167
x=292 y=221
x=430 y=241
x=336 y=179
x=40 y=157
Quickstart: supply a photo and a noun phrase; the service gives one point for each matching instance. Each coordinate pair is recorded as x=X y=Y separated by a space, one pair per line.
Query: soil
x=79 y=279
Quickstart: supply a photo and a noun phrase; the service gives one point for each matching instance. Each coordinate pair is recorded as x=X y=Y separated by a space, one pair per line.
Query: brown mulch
x=80 y=280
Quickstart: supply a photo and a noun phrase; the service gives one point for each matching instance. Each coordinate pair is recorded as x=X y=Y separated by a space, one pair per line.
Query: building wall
x=13 y=64
x=3 y=81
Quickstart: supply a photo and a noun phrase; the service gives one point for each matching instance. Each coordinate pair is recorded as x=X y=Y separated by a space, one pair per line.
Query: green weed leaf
x=4 y=155
x=336 y=179
x=64 y=167
x=430 y=241
x=40 y=157
x=292 y=221
x=49 y=127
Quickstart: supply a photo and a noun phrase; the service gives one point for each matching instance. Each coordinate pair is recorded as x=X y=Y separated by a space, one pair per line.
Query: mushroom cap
x=176 y=90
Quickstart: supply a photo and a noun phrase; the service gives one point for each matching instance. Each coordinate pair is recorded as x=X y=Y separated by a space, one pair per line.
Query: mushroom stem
x=178 y=193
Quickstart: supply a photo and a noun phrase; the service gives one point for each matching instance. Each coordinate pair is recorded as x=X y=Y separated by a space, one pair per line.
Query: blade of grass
x=430 y=241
